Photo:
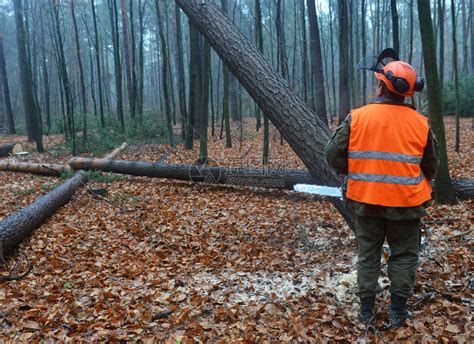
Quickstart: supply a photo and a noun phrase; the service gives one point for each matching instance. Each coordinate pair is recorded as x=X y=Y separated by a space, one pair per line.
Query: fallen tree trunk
x=238 y=176
x=298 y=124
x=48 y=169
x=464 y=188
x=41 y=169
x=16 y=227
x=10 y=148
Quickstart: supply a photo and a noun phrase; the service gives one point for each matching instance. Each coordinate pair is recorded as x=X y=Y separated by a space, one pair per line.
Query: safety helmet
x=399 y=77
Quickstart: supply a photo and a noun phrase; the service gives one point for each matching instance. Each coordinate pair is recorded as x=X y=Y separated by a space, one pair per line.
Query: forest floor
x=180 y=261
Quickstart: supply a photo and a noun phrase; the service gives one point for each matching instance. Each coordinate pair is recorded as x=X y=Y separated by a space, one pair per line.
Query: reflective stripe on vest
x=385 y=156
x=385 y=178
x=386 y=147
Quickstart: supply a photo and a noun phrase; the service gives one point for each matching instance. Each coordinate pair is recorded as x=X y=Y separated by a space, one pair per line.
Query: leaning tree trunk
x=237 y=176
x=305 y=133
x=10 y=148
x=18 y=226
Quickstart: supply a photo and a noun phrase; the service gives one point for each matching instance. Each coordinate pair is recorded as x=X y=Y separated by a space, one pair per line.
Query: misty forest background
x=139 y=70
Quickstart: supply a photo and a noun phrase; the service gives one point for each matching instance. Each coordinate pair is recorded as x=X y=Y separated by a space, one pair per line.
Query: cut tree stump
x=10 y=148
x=237 y=176
x=18 y=226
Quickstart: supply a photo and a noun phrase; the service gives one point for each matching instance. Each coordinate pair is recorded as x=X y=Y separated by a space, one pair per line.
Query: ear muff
x=419 y=84
x=399 y=84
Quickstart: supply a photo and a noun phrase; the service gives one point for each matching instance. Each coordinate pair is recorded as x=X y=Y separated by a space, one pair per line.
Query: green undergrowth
x=100 y=141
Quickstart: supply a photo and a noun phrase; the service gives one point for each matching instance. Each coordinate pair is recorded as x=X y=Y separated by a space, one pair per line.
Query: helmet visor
x=371 y=63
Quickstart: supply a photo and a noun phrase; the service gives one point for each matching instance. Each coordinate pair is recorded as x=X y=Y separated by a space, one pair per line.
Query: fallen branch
x=14 y=276
x=10 y=148
x=459 y=234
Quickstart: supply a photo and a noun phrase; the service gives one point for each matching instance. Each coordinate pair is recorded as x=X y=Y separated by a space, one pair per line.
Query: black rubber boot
x=398 y=311
x=366 y=315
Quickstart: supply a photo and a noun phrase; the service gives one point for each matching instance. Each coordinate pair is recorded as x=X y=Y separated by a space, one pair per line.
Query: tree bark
x=301 y=128
x=18 y=226
x=319 y=104
x=444 y=189
x=9 y=148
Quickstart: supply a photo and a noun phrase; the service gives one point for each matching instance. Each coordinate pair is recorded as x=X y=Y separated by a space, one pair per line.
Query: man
x=389 y=155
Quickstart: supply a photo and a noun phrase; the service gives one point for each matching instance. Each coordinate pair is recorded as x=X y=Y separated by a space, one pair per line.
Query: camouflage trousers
x=403 y=237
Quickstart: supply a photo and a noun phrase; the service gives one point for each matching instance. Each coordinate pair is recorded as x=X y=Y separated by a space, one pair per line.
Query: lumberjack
x=389 y=154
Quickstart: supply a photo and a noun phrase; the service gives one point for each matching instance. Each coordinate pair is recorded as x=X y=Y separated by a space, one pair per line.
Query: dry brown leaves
x=178 y=261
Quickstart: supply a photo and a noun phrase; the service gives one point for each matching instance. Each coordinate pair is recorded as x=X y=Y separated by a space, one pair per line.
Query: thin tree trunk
x=141 y=59
x=304 y=51
x=203 y=154
x=444 y=189
x=395 y=30
x=193 y=79
x=441 y=10
x=6 y=91
x=319 y=104
x=63 y=72
x=30 y=107
x=465 y=38
x=165 y=74
x=226 y=94
x=180 y=70
x=81 y=75
x=97 y=59
x=344 y=97
x=364 y=52
x=46 y=85
x=127 y=58
x=113 y=13
x=456 y=76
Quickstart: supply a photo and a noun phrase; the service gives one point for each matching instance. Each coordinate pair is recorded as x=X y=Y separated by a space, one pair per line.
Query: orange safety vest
x=385 y=152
